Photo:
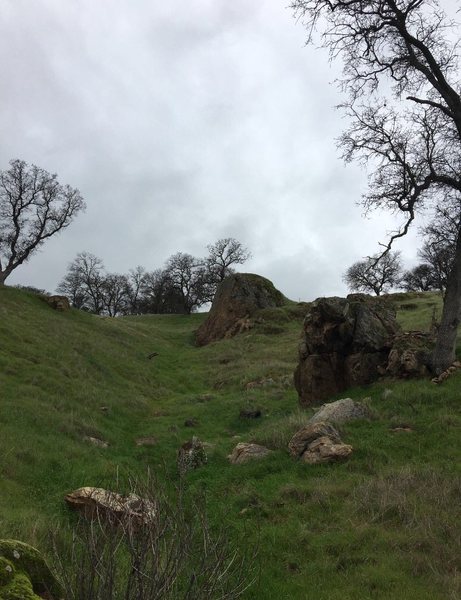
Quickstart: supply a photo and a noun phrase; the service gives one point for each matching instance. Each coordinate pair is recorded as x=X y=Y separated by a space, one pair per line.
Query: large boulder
x=345 y=342
x=237 y=299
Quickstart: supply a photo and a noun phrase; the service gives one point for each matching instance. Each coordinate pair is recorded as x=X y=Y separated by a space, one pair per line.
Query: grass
x=384 y=525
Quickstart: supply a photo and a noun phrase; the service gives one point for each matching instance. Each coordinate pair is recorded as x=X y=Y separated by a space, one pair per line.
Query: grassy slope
x=383 y=525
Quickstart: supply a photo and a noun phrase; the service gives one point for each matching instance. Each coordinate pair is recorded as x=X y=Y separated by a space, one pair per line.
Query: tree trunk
x=3 y=276
x=445 y=348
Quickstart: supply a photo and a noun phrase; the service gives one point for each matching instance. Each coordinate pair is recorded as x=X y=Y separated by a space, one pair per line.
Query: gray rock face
x=341 y=411
x=237 y=298
x=345 y=342
x=243 y=453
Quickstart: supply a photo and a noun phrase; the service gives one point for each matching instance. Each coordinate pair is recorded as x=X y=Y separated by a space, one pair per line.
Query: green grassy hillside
x=383 y=525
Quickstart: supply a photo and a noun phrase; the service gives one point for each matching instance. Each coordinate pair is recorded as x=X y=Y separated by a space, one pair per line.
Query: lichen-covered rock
x=60 y=303
x=318 y=443
x=308 y=434
x=244 y=452
x=341 y=411
x=324 y=450
x=410 y=355
x=237 y=299
x=24 y=573
x=191 y=455
x=92 y=502
x=345 y=342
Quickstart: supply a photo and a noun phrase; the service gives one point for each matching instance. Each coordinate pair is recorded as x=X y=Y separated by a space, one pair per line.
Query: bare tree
x=84 y=282
x=136 y=279
x=222 y=255
x=439 y=248
x=188 y=277
x=115 y=296
x=419 y=279
x=411 y=134
x=372 y=275
x=33 y=207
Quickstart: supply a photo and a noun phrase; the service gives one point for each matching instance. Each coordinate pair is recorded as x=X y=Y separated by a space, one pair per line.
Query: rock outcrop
x=318 y=443
x=237 y=299
x=244 y=452
x=24 y=573
x=345 y=342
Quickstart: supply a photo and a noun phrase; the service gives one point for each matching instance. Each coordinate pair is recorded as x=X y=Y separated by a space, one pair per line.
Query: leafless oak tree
x=372 y=275
x=222 y=255
x=401 y=74
x=33 y=207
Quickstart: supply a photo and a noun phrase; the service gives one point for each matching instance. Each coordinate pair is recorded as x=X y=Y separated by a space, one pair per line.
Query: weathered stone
x=345 y=342
x=92 y=502
x=147 y=441
x=324 y=450
x=24 y=573
x=341 y=411
x=237 y=299
x=410 y=355
x=308 y=434
x=58 y=302
x=191 y=455
x=244 y=452
x=96 y=441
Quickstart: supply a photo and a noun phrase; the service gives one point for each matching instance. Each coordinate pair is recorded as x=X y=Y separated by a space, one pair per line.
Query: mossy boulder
x=24 y=573
x=238 y=299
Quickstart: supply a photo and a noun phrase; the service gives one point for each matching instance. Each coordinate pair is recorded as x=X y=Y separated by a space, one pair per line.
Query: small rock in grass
x=190 y=423
x=191 y=455
x=323 y=450
x=96 y=441
x=244 y=452
x=341 y=411
x=250 y=413
x=147 y=441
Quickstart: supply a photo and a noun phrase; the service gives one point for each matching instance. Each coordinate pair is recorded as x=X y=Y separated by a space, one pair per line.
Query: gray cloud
x=182 y=123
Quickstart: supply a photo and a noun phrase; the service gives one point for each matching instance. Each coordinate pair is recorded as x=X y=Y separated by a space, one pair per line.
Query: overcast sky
x=181 y=123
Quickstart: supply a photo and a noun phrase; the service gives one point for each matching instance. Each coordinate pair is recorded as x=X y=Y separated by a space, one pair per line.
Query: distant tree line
x=184 y=284
x=437 y=256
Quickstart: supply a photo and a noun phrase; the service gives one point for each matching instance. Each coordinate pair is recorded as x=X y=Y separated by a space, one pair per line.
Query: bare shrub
x=172 y=554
